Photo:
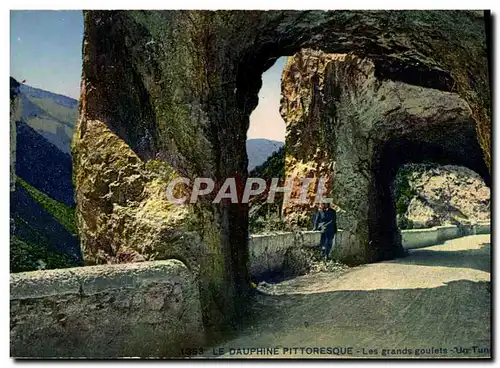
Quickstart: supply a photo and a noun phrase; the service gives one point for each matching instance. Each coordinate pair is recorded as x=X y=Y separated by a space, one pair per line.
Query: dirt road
x=433 y=303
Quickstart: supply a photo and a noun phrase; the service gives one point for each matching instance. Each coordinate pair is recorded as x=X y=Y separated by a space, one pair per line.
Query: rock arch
x=345 y=123
x=172 y=92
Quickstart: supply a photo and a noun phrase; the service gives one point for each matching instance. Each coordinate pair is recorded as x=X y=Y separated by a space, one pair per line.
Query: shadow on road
x=478 y=259
x=456 y=314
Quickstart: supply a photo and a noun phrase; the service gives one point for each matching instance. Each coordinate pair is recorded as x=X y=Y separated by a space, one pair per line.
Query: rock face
x=356 y=129
x=446 y=195
x=179 y=86
x=124 y=212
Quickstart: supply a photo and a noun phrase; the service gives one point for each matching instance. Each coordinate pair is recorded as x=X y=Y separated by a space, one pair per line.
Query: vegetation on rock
x=34 y=243
x=403 y=194
x=27 y=256
x=62 y=212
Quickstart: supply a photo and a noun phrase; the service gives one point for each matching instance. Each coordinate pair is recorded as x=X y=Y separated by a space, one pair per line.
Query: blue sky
x=46 y=47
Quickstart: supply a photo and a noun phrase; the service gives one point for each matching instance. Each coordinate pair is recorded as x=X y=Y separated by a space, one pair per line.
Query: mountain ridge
x=43 y=229
x=50 y=114
x=259 y=150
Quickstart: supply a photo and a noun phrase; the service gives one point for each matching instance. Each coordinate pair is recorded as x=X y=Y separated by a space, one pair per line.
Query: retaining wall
x=417 y=238
x=447 y=232
x=271 y=252
x=483 y=228
x=280 y=252
x=149 y=309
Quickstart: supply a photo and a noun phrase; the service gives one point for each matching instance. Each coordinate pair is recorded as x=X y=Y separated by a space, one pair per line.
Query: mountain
x=44 y=129
x=51 y=115
x=42 y=215
x=43 y=165
x=259 y=149
x=265 y=216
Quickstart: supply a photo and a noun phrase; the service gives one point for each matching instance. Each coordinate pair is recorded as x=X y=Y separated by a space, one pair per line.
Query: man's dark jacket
x=328 y=217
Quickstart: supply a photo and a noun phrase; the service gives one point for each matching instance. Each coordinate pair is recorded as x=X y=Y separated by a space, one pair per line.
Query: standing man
x=326 y=222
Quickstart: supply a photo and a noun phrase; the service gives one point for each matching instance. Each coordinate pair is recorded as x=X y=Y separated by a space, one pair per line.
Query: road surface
x=433 y=303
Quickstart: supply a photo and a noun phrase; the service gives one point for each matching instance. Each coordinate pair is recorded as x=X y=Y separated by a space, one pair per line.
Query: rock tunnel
x=462 y=150
x=169 y=93
x=345 y=123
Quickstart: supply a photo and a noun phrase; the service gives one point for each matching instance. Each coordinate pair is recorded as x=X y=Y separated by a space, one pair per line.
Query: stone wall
x=447 y=232
x=418 y=238
x=149 y=309
x=283 y=252
x=280 y=252
x=483 y=228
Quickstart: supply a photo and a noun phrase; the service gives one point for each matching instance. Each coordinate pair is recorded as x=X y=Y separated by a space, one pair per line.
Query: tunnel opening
x=259 y=94
x=429 y=194
x=269 y=218
x=265 y=147
x=447 y=144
